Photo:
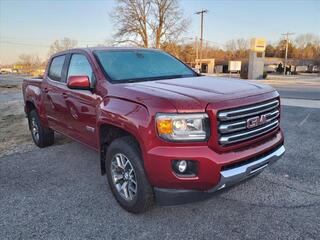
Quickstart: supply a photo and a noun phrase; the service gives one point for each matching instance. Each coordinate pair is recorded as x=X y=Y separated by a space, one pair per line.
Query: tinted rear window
x=56 y=66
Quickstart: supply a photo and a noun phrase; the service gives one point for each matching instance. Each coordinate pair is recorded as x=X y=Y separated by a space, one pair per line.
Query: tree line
x=304 y=47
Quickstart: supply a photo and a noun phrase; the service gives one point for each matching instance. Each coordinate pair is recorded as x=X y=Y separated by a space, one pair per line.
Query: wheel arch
x=108 y=133
x=119 y=117
x=29 y=106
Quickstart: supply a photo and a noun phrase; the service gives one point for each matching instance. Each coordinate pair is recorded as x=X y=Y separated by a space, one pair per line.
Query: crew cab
x=165 y=133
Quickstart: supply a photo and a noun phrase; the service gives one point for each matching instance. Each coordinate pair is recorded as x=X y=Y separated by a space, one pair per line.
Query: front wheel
x=41 y=136
x=126 y=176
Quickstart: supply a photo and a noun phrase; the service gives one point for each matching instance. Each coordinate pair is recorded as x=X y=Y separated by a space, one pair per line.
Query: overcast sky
x=31 y=26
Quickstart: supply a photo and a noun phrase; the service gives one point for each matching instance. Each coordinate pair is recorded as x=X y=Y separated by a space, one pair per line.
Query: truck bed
x=31 y=87
x=31 y=81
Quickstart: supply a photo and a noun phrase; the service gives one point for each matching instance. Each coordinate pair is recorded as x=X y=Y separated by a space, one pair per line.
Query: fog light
x=185 y=168
x=182 y=166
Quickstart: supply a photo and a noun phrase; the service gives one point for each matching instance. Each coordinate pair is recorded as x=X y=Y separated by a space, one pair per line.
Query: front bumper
x=228 y=178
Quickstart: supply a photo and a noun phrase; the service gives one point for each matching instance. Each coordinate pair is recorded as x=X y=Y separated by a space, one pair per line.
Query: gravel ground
x=57 y=193
x=14 y=134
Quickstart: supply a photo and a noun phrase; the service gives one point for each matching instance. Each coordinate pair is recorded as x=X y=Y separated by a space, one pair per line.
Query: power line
x=23 y=44
x=15 y=41
x=205 y=40
x=42 y=45
x=46 y=39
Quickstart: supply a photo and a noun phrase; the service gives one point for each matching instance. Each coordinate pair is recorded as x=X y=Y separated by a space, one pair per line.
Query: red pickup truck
x=163 y=131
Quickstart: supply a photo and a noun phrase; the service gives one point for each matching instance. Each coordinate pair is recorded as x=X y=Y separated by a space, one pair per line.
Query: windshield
x=141 y=65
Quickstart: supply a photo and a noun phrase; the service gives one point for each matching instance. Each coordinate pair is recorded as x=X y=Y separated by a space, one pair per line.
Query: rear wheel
x=41 y=136
x=126 y=176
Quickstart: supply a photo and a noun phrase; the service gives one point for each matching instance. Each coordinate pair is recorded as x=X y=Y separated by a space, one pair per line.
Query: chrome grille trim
x=227 y=115
x=241 y=125
x=232 y=127
x=249 y=134
x=233 y=123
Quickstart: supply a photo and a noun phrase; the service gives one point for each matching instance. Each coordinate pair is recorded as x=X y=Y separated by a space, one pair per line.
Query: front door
x=82 y=104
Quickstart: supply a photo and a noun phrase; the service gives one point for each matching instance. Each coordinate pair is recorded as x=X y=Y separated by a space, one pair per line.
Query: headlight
x=183 y=127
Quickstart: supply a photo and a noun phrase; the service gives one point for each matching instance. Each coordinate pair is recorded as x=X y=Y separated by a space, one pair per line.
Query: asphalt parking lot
x=58 y=193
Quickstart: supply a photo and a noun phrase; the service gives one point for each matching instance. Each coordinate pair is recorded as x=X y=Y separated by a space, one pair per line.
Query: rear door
x=53 y=87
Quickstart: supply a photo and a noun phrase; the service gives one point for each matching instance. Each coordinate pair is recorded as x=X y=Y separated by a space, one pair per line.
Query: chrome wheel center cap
x=126 y=175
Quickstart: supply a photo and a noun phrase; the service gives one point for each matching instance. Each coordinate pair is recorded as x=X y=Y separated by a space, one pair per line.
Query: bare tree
x=141 y=22
x=168 y=23
x=237 y=48
x=303 y=40
x=237 y=45
x=29 y=60
x=61 y=45
x=131 y=20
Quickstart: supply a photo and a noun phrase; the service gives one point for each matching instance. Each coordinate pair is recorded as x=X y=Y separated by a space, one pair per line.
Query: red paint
x=132 y=107
x=80 y=82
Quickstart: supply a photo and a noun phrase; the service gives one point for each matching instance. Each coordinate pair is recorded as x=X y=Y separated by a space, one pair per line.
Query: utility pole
x=201 y=33
x=286 y=54
x=196 y=46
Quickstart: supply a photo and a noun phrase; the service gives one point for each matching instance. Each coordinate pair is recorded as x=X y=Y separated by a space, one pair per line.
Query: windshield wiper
x=147 y=79
x=169 y=77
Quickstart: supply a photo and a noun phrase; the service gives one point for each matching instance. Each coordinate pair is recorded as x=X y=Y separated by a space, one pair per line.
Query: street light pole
x=286 y=54
x=196 y=46
x=201 y=34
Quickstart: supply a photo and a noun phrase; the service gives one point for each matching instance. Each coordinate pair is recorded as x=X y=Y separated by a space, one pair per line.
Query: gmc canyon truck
x=164 y=133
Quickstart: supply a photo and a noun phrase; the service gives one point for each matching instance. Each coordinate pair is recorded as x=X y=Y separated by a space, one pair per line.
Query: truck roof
x=91 y=49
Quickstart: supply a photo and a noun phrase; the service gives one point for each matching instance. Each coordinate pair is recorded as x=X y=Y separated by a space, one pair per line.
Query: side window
x=56 y=66
x=80 y=66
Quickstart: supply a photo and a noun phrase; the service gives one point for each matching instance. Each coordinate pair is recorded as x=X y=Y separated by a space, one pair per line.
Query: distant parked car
x=197 y=70
x=301 y=69
x=270 y=68
x=313 y=69
x=5 y=70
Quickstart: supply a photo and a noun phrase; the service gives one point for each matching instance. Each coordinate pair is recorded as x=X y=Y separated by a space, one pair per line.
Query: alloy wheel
x=35 y=129
x=124 y=177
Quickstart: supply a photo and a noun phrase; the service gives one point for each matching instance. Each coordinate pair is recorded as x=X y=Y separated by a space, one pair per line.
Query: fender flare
x=131 y=117
x=33 y=95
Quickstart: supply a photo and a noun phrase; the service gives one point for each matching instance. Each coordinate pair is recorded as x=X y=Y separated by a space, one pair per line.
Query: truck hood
x=194 y=93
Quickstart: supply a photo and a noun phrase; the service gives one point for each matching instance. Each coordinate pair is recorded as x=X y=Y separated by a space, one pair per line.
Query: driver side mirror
x=79 y=82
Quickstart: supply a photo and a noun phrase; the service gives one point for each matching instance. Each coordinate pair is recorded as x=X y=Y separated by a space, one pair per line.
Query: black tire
x=143 y=198
x=42 y=136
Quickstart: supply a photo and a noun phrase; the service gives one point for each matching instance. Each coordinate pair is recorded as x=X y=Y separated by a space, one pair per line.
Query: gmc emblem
x=256 y=121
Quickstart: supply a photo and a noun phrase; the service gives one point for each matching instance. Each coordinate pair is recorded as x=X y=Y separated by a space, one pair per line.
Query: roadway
x=309 y=90
x=58 y=193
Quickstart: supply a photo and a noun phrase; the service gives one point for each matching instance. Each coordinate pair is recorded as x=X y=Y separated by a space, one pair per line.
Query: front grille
x=233 y=122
